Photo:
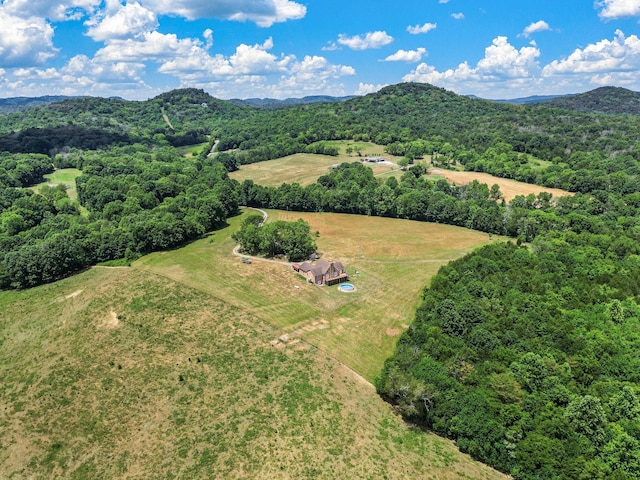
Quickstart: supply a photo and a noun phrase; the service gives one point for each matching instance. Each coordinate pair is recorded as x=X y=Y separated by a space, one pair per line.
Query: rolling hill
x=612 y=100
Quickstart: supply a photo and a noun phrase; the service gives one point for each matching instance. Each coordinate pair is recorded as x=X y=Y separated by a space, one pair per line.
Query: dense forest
x=523 y=352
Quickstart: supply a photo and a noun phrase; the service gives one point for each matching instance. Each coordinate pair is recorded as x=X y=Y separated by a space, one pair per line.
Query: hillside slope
x=614 y=100
x=117 y=373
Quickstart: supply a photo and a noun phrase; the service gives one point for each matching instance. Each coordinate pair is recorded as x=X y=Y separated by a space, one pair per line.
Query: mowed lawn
x=509 y=188
x=63 y=176
x=390 y=261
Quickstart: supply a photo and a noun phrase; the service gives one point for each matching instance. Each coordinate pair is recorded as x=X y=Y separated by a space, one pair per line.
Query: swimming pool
x=346 y=287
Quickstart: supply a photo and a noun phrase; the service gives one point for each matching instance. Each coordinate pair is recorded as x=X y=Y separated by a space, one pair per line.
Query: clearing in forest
x=389 y=261
x=63 y=176
x=509 y=188
x=306 y=168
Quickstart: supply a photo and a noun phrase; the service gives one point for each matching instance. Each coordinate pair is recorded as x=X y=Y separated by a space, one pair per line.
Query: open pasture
x=306 y=168
x=509 y=188
x=120 y=373
x=389 y=261
x=63 y=176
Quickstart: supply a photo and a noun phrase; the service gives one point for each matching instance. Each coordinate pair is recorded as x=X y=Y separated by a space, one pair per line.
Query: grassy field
x=509 y=188
x=64 y=176
x=394 y=259
x=121 y=373
x=192 y=150
x=305 y=168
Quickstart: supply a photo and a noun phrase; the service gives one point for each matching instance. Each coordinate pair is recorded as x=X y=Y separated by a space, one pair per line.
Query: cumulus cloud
x=417 y=29
x=366 y=88
x=53 y=10
x=264 y=12
x=539 y=26
x=622 y=54
x=611 y=9
x=502 y=64
x=409 y=56
x=121 y=21
x=370 y=40
x=457 y=16
x=24 y=41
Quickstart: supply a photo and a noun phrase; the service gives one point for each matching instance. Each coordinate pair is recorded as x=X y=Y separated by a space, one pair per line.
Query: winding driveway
x=236 y=249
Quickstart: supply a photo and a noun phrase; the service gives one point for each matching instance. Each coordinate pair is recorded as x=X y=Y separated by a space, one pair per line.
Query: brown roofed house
x=323 y=272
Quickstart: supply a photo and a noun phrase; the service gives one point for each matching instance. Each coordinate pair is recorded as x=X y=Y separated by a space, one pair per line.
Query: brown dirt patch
x=393 y=332
x=111 y=322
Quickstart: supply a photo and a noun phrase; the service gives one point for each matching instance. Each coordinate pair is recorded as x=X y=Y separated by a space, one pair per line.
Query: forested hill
x=179 y=117
x=18 y=104
x=614 y=100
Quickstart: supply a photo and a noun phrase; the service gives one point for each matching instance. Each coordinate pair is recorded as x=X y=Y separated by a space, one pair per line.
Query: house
x=373 y=159
x=322 y=272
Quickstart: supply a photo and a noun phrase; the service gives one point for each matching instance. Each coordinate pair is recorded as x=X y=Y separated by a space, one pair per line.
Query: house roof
x=306 y=266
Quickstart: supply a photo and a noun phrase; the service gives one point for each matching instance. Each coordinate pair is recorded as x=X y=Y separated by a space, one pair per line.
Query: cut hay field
x=306 y=168
x=122 y=373
x=394 y=259
x=63 y=176
x=509 y=188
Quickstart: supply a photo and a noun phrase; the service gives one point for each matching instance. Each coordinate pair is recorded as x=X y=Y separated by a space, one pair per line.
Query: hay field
x=394 y=259
x=121 y=373
x=306 y=168
x=509 y=188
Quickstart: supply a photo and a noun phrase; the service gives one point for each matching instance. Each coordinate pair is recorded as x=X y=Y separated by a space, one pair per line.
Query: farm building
x=373 y=159
x=322 y=272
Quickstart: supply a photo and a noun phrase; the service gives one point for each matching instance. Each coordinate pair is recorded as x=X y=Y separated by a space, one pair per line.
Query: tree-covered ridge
x=179 y=117
x=613 y=100
x=528 y=358
x=448 y=124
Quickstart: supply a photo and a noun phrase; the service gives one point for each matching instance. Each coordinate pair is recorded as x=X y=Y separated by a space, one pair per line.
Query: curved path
x=236 y=249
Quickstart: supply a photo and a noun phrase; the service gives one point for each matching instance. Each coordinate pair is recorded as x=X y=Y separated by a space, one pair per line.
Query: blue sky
x=290 y=48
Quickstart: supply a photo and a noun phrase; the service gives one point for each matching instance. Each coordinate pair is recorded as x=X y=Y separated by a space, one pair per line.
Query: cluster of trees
x=291 y=239
x=528 y=358
x=138 y=201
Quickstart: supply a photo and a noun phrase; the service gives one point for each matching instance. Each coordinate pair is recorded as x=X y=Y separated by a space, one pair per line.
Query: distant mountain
x=19 y=104
x=531 y=99
x=613 y=100
x=271 y=103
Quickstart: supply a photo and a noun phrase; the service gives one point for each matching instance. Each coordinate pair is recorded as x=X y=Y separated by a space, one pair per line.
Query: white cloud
x=458 y=16
x=443 y=1
x=264 y=12
x=366 y=88
x=53 y=10
x=622 y=54
x=121 y=21
x=370 y=40
x=24 y=41
x=148 y=46
x=409 y=56
x=539 y=26
x=610 y=9
x=502 y=65
x=417 y=29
